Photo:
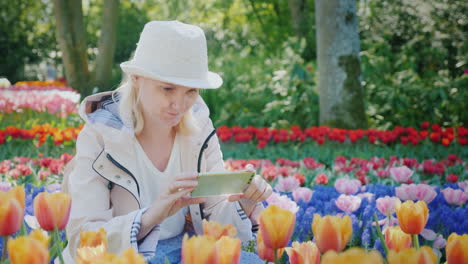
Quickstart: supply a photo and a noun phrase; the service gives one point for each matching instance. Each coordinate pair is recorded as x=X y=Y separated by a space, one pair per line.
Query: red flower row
x=403 y=135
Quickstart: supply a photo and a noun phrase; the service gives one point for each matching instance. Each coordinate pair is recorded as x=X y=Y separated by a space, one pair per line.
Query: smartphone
x=222 y=183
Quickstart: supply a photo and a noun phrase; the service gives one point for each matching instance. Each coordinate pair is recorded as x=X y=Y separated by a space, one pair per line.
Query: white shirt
x=154 y=180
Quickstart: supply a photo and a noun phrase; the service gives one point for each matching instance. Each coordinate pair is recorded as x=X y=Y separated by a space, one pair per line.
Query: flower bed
x=409 y=135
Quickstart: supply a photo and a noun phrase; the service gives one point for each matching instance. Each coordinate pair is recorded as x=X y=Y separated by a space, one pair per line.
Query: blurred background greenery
x=413 y=53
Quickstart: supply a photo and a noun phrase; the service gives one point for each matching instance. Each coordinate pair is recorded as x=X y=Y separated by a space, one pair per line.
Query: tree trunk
x=107 y=43
x=71 y=38
x=339 y=66
x=298 y=16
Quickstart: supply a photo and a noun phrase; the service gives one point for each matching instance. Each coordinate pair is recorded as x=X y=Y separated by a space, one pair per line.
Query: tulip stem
x=276 y=255
x=4 y=248
x=379 y=233
x=416 y=241
x=59 y=243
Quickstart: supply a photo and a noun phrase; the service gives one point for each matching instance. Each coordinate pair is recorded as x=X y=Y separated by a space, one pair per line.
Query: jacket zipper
x=116 y=163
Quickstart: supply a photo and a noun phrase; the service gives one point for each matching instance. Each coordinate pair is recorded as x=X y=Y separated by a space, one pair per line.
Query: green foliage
x=413 y=58
x=274 y=90
x=26 y=36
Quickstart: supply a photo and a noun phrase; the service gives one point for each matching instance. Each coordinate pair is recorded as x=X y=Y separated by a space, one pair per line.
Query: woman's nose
x=178 y=103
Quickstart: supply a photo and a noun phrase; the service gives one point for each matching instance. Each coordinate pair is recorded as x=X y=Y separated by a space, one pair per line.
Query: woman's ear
x=134 y=78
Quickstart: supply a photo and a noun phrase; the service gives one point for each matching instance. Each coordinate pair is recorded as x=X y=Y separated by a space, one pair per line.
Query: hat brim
x=212 y=81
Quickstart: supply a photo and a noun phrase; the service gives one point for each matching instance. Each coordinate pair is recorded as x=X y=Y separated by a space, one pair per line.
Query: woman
x=139 y=152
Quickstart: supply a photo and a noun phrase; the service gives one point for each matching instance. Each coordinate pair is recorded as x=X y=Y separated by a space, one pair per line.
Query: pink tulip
x=348 y=203
x=5 y=166
x=282 y=201
x=422 y=192
x=302 y=193
x=456 y=197
x=401 y=174
x=439 y=242
x=463 y=185
x=347 y=186
x=5 y=186
x=386 y=205
x=287 y=184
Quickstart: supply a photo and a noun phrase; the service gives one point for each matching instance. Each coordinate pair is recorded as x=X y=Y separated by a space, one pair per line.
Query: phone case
x=222 y=183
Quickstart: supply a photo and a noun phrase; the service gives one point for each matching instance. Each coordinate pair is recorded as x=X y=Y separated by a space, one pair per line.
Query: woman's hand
x=169 y=201
x=258 y=190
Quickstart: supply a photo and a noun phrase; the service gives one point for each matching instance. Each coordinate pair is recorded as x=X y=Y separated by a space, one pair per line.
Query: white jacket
x=105 y=193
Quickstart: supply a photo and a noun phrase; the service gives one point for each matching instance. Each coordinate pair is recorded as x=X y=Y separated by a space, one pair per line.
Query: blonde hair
x=130 y=109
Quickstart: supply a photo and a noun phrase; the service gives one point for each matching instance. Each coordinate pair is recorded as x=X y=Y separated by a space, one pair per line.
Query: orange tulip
x=277 y=225
x=352 y=256
x=28 y=249
x=199 y=250
x=424 y=255
x=11 y=211
x=412 y=216
x=457 y=249
x=265 y=252
x=332 y=232
x=396 y=239
x=228 y=250
x=216 y=230
x=18 y=193
x=303 y=253
x=52 y=210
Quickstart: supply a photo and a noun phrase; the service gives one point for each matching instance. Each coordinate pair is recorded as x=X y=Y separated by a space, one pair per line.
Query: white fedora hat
x=173 y=52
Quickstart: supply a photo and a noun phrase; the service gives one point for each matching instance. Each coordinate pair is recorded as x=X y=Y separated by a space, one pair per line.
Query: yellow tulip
x=277 y=225
x=424 y=255
x=40 y=236
x=89 y=255
x=265 y=252
x=199 y=250
x=11 y=210
x=457 y=249
x=217 y=230
x=52 y=210
x=412 y=217
x=28 y=249
x=331 y=232
x=396 y=239
x=303 y=253
x=228 y=250
x=352 y=256
x=93 y=246
x=93 y=238
x=130 y=256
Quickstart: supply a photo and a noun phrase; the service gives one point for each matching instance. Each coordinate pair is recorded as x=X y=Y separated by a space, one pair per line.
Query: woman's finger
x=259 y=193
x=177 y=185
x=234 y=197
x=184 y=201
x=267 y=193
x=250 y=167
x=252 y=187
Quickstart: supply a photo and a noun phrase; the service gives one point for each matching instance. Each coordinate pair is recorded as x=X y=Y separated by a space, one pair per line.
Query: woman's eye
x=192 y=91
x=168 y=89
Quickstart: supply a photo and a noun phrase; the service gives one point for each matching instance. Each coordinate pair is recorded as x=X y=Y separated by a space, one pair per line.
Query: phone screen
x=222 y=183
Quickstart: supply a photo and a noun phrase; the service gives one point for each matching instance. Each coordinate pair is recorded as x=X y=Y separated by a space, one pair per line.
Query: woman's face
x=163 y=102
